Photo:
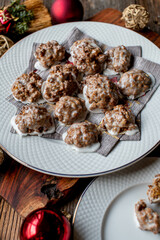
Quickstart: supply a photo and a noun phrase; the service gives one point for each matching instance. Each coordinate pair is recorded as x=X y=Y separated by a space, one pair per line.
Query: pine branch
x=21 y=17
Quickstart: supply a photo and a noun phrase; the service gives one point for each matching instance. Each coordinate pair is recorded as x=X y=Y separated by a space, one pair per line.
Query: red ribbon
x=5 y=21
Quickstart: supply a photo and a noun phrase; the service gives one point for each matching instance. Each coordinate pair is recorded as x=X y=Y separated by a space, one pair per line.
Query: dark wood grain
x=10 y=222
x=26 y=190
x=21 y=186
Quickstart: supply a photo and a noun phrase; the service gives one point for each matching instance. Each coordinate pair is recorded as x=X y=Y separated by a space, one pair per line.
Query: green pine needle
x=21 y=15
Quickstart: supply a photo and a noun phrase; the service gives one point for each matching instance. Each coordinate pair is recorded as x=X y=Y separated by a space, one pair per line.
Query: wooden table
x=23 y=189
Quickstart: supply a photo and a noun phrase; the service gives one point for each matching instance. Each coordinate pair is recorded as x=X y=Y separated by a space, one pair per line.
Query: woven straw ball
x=5 y=44
x=135 y=16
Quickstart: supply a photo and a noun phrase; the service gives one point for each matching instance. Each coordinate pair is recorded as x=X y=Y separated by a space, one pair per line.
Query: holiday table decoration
x=66 y=11
x=42 y=17
x=45 y=224
x=5 y=21
x=135 y=16
x=15 y=18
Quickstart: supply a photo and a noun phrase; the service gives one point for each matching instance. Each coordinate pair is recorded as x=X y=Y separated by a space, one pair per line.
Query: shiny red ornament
x=66 y=11
x=45 y=224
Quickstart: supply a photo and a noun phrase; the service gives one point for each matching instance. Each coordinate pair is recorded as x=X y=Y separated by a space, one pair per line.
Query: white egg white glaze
x=39 y=66
x=92 y=148
x=34 y=133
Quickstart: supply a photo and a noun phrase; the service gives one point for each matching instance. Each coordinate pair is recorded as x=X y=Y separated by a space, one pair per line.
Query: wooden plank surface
x=27 y=190
x=10 y=220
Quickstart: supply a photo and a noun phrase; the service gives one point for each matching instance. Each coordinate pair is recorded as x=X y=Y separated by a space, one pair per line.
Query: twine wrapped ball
x=1 y=156
x=5 y=44
x=135 y=16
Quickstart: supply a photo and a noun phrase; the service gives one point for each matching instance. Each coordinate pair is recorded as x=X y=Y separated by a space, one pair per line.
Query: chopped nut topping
x=62 y=81
x=147 y=218
x=34 y=118
x=118 y=59
x=134 y=83
x=87 y=56
x=101 y=92
x=119 y=120
x=50 y=53
x=154 y=190
x=27 y=87
x=82 y=134
x=70 y=109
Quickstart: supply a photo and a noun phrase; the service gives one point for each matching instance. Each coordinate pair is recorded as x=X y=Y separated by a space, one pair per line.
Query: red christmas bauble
x=66 y=11
x=45 y=224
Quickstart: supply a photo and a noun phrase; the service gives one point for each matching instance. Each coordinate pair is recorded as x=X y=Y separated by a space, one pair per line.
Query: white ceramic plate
x=50 y=157
x=105 y=210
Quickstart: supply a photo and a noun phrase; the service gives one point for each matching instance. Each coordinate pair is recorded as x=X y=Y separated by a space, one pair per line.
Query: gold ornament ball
x=135 y=16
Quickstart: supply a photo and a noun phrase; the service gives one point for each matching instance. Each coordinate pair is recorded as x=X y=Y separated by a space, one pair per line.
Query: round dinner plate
x=105 y=210
x=50 y=157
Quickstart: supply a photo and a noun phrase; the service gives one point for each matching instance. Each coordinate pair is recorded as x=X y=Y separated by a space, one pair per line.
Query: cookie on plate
x=62 y=81
x=118 y=60
x=33 y=119
x=48 y=54
x=100 y=93
x=87 y=56
x=146 y=217
x=70 y=109
x=135 y=83
x=120 y=120
x=153 y=191
x=82 y=137
x=27 y=88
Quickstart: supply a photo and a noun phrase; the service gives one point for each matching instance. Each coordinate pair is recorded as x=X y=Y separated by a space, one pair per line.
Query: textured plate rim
x=79 y=175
